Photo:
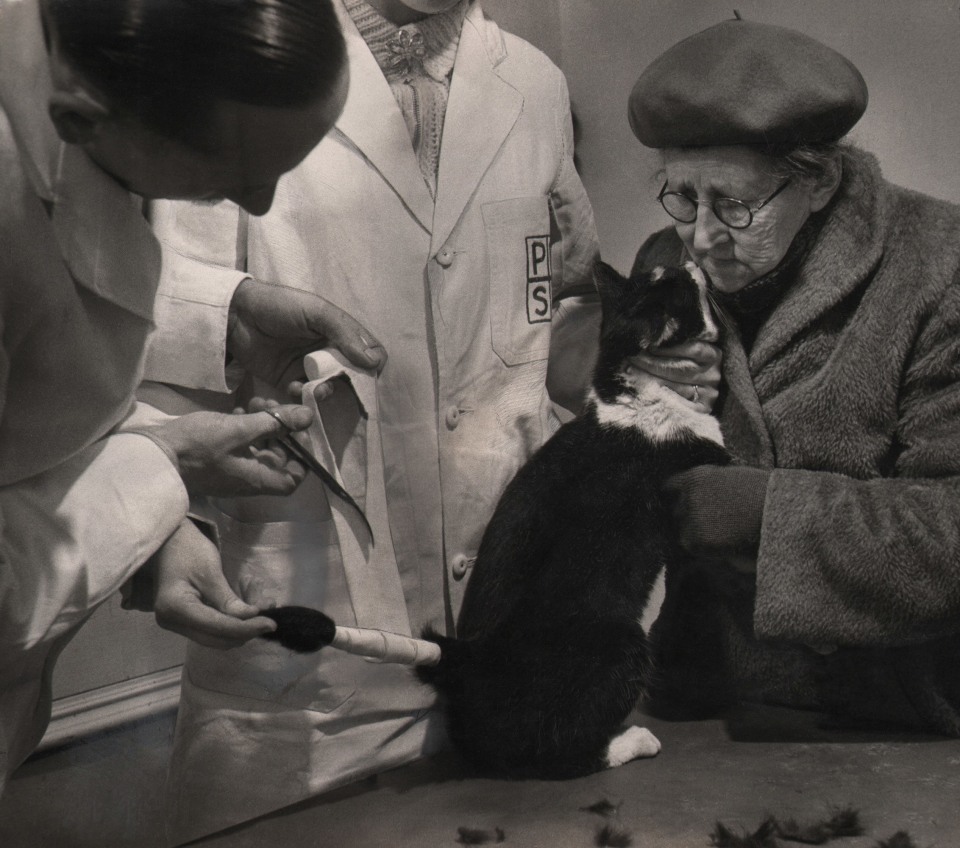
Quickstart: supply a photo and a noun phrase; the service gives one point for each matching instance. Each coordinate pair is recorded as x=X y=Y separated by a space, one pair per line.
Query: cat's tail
x=304 y=630
x=383 y=646
x=454 y=654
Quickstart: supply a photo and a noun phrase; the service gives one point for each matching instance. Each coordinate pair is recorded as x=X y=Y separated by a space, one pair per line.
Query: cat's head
x=664 y=306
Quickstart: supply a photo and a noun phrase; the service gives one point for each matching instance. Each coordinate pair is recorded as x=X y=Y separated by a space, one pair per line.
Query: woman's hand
x=193 y=596
x=692 y=370
x=718 y=509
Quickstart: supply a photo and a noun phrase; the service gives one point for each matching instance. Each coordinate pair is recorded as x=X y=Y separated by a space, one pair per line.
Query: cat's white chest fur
x=656 y=411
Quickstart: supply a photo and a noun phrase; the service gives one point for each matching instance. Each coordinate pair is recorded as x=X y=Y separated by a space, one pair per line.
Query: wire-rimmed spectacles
x=730 y=211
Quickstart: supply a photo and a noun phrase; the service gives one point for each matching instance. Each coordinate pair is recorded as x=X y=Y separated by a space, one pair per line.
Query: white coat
x=458 y=291
x=81 y=506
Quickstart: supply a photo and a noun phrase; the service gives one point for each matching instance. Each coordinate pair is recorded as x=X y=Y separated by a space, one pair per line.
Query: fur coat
x=851 y=393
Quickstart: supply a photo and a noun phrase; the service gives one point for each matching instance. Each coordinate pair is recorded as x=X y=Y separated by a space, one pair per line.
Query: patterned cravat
x=417 y=60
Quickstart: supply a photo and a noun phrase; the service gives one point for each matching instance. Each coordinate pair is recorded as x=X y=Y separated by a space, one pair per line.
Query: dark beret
x=741 y=82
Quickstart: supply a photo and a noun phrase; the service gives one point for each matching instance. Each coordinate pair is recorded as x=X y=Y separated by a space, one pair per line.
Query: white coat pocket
x=519 y=248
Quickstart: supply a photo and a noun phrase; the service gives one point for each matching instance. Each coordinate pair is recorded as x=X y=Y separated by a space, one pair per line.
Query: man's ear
x=75 y=107
x=77 y=115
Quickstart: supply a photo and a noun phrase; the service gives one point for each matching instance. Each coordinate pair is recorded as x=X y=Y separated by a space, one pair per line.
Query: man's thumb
x=277 y=421
x=218 y=594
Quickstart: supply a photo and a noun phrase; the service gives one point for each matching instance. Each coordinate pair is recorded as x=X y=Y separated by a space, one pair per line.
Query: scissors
x=310 y=461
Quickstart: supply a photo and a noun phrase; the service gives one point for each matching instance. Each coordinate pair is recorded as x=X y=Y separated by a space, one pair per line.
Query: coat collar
x=482 y=110
x=742 y=420
x=849 y=247
x=103 y=239
x=372 y=122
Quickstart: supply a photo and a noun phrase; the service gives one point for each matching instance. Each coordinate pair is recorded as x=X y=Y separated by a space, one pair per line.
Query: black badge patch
x=538 y=279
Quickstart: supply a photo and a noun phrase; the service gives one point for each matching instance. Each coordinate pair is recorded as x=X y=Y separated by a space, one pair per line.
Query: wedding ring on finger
x=696 y=394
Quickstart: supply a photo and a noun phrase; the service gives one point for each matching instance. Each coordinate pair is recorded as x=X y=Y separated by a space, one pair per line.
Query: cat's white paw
x=633 y=743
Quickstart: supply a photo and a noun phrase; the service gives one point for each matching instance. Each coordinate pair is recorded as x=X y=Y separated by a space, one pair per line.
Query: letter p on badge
x=538 y=279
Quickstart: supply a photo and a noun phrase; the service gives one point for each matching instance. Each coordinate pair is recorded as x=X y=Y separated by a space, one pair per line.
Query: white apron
x=276 y=723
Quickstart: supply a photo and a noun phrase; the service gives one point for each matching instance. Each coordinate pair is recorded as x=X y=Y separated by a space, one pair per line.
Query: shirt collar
x=426 y=47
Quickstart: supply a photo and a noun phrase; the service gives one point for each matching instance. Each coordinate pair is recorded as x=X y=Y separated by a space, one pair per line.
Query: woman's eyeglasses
x=730 y=211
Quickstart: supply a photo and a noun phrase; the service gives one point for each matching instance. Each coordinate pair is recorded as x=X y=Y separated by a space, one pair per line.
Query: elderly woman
x=826 y=567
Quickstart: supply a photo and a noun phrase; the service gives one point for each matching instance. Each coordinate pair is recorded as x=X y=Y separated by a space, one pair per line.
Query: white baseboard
x=110 y=706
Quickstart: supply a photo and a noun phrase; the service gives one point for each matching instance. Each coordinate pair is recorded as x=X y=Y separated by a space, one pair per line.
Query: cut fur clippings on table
x=774 y=833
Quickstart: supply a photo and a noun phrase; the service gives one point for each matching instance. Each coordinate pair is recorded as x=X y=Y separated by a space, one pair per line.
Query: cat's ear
x=609 y=282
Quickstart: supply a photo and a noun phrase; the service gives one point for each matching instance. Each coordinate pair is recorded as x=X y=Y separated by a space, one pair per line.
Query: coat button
x=461 y=565
x=445 y=257
x=453 y=417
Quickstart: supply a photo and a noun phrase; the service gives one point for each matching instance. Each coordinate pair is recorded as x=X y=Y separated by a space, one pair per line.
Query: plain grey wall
x=908 y=51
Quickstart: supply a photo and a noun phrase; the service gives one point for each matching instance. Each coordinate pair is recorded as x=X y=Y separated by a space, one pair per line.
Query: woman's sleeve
x=204 y=256
x=846 y=561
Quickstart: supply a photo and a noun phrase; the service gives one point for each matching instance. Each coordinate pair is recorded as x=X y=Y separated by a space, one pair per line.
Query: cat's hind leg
x=632 y=744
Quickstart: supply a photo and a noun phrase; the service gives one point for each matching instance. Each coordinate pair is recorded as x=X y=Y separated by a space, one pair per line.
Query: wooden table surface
x=754 y=763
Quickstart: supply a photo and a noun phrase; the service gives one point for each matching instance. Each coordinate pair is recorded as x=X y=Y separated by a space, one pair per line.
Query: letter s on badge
x=538 y=279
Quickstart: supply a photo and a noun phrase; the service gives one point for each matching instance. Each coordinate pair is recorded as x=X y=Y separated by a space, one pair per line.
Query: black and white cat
x=551 y=657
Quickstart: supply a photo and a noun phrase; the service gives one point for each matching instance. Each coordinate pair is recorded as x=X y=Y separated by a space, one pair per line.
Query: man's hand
x=271 y=328
x=194 y=598
x=692 y=370
x=231 y=455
